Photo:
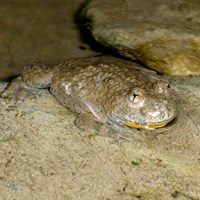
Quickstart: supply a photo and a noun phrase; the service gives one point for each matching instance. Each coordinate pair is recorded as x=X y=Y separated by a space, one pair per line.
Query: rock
x=163 y=35
x=44 y=156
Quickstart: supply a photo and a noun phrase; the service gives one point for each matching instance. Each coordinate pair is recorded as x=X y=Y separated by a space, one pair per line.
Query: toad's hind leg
x=32 y=78
x=37 y=75
x=87 y=122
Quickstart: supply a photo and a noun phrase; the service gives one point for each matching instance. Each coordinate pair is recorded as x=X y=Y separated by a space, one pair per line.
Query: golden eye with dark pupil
x=135 y=96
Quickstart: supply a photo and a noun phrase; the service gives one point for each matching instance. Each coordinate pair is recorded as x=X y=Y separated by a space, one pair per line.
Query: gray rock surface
x=163 y=35
x=44 y=156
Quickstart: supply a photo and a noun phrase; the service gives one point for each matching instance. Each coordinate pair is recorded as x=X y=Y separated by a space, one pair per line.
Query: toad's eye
x=135 y=96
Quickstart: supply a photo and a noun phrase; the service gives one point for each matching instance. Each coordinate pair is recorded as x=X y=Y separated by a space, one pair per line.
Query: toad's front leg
x=87 y=122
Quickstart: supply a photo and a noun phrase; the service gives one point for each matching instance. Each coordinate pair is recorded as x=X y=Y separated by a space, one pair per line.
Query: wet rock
x=164 y=35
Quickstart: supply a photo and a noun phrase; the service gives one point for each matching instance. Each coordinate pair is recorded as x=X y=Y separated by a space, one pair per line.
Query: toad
x=109 y=94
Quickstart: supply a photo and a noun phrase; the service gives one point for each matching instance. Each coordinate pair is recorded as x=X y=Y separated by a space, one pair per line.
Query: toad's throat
x=146 y=126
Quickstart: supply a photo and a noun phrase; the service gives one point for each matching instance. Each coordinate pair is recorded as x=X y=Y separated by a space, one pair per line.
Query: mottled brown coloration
x=107 y=92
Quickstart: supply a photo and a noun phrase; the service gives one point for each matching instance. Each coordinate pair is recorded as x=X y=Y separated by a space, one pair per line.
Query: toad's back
x=102 y=86
x=94 y=79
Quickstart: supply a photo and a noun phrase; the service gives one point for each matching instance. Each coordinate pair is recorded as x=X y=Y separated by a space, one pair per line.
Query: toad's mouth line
x=146 y=126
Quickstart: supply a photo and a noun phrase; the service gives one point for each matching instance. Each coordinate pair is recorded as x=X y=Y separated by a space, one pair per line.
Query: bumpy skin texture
x=105 y=91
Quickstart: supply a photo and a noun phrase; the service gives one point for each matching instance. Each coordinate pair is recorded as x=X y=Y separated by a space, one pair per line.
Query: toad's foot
x=19 y=90
x=87 y=122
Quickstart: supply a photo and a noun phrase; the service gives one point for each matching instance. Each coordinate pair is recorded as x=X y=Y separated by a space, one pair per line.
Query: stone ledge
x=43 y=155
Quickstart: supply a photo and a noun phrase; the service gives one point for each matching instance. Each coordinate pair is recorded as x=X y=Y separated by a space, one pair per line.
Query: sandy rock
x=44 y=156
x=163 y=35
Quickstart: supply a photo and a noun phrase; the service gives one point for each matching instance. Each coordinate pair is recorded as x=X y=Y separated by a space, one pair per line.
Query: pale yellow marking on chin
x=147 y=126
